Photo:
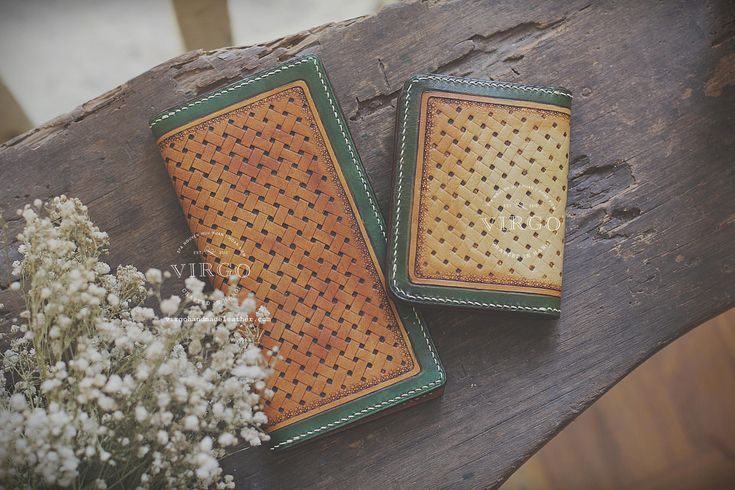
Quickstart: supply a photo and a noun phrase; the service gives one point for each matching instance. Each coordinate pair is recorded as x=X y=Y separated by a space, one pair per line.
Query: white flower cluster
x=105 y=391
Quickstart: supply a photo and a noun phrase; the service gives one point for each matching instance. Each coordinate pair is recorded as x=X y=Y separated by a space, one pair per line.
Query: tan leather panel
x=258 y=184
x=490 y=194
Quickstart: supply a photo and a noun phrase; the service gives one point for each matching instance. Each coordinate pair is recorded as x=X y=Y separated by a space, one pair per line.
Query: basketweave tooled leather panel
x=491 y=194
x=259 y=185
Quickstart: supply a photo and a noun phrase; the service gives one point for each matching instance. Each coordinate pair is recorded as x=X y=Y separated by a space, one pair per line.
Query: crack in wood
x=373 y=104
x=385 y=75
x=202 y=71
x=593 y=184
x=595 y=206
x=485 y=52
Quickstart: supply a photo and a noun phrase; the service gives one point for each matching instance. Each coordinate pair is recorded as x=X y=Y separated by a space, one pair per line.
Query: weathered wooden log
x=651 y=209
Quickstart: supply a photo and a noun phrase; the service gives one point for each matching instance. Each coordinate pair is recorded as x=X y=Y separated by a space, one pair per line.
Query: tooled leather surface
x=483 y=164
x=258 y=186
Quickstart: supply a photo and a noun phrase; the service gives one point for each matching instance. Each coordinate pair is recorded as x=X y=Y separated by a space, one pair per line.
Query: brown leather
x=480 y=159
x=258 y=183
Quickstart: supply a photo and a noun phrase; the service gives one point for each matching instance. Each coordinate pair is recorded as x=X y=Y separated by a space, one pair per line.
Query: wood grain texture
x=667 y=425
x=651 y=217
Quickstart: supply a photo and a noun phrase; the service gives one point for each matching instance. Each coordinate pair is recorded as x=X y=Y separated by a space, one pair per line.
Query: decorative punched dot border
x=399 y=194
x=446 y=119
x=379 y=219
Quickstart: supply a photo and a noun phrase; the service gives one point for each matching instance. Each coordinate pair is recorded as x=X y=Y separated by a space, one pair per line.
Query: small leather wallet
x=270 y=182
x=479 y=194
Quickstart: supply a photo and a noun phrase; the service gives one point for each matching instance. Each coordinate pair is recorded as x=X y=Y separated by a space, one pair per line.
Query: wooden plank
x=667 y=425
x=204 y=24
x=651 y=214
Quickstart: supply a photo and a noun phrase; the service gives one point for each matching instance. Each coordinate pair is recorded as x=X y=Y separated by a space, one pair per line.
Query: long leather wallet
x=270 y=182
x=479 y=195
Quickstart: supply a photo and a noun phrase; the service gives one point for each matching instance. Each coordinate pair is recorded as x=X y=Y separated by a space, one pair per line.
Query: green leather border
x=310 y=70
x=407 y=129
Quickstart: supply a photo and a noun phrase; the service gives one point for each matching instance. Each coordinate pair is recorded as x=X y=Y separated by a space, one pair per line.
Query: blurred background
x=56 y=55
x=668 y=425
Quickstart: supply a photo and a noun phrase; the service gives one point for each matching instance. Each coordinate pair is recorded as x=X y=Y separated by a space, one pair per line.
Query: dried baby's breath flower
x=106 y=392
